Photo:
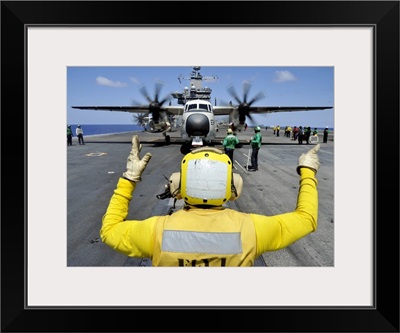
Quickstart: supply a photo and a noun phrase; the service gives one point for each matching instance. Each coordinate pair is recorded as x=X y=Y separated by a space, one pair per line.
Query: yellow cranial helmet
x=206 y=178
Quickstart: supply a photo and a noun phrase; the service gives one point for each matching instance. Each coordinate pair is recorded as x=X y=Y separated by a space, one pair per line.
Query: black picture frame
x=383 y=16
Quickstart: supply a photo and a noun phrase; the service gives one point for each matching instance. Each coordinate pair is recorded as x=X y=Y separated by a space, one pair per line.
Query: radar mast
x=196 y=89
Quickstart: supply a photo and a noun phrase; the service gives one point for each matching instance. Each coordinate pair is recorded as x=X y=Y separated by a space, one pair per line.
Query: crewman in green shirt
x=230 y=143
x=255 y=142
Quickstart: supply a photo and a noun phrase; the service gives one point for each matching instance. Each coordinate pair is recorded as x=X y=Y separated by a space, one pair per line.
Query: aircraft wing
x=176 y=110
x=267 y=109
x=223 y=110
x=134 y=109
x=226 y=110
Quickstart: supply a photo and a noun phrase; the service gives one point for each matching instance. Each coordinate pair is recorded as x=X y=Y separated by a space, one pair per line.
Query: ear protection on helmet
x=237 y=186
x=174 y=185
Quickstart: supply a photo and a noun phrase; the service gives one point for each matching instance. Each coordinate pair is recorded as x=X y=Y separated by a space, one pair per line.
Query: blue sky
x=282 y=86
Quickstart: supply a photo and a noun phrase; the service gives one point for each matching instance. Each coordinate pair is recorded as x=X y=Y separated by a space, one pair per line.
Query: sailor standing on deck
x=255 y=142
x=230 y=143
x=204 y=233
x=325 y=137
x=79 y=134
x=69 y=135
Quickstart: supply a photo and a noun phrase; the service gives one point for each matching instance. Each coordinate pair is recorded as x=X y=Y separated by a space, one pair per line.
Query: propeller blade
x=155 y=104
x=246 y=88
x=232 y=92
x=244 y=107
x=140 y=118
x=165 y=99
x=256 y=98
x=157 y=89
x=134 y=102
x=154 y=101
x=145 y=94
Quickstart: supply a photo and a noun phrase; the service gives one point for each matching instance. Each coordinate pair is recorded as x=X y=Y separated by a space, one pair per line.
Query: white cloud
x=134 y=80
x=283 y=76
x=103 y=81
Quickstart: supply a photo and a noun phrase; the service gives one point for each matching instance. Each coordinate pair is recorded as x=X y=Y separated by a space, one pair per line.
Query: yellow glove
x=309 y=160
x=135 y=166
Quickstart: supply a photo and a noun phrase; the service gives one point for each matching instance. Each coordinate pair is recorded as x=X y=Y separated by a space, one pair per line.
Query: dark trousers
x=229 y=152
x=69 y=140
x=254 y=158
x=80 y=139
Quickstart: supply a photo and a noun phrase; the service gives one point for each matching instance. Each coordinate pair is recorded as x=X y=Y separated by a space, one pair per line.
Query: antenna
x=195 y=75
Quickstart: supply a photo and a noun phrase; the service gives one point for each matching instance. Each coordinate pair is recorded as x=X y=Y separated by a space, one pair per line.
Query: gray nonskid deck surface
x=93 y=170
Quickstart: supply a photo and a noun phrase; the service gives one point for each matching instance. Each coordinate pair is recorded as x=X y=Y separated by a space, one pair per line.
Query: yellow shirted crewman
x=204 y=233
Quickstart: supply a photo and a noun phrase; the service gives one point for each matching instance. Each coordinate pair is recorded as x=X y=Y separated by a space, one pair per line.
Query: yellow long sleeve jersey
x=207 y=237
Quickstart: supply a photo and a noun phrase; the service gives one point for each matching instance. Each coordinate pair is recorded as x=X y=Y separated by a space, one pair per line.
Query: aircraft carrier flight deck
x=93 y=170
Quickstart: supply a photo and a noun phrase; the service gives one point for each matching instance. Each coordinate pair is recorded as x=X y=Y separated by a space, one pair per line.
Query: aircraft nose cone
x=197 y=125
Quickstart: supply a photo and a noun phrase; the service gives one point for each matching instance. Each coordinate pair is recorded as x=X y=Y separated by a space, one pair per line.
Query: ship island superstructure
x=196 y=90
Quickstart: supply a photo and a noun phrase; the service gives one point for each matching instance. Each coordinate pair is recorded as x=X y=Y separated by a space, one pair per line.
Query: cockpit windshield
x=203 y=106
x=200 y=106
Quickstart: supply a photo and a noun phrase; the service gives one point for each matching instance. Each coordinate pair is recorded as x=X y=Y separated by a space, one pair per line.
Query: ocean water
x=106 y=129
x=121 y=128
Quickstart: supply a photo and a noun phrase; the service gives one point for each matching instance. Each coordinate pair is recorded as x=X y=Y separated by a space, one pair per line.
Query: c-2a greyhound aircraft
x=194 y=114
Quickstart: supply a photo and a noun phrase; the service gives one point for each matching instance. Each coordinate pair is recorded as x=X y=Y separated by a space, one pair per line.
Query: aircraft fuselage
x=198 y=121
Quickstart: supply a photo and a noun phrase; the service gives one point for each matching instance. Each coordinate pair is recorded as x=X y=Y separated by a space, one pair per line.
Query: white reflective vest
x=205 y=237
